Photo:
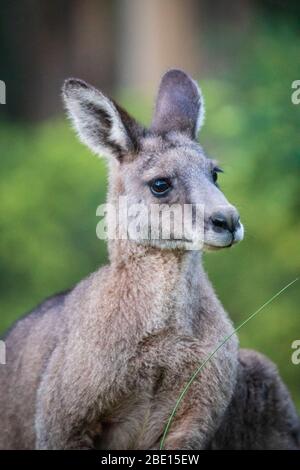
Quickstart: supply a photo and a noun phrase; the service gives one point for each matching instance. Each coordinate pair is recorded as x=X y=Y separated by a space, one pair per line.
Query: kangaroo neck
x=163 y=286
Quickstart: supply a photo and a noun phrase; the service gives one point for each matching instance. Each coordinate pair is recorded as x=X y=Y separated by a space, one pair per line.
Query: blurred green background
x=51 y=185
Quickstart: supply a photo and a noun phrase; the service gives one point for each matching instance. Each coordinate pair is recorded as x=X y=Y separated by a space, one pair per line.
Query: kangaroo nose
x=229 y=222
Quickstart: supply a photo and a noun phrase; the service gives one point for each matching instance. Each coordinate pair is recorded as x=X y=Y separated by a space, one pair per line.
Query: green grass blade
x=210 y=356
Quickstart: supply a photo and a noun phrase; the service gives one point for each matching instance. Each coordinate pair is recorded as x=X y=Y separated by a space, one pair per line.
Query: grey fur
x=261 y=415
x=179 y=103
x=103 y=365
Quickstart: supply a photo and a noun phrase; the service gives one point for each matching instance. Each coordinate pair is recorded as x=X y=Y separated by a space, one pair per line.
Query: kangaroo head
x=162 y=165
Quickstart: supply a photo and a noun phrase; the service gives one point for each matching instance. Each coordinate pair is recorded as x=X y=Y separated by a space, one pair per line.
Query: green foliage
x=51 y=186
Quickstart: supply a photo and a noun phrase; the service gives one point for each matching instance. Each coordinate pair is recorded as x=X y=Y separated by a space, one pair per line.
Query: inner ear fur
x=101 y=124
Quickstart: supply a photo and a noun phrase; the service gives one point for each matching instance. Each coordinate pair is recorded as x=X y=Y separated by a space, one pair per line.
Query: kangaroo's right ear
x=179 y=105
x=100 y=123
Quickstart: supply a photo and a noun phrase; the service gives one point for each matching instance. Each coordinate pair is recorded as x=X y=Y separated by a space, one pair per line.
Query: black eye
x=215 y=172
x=160 y=186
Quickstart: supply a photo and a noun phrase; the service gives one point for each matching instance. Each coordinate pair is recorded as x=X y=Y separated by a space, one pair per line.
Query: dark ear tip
x=73 y=84
x=176 y=75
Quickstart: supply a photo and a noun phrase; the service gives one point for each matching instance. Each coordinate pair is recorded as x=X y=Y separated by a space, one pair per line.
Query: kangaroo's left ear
x=100 y=123
x=179 y=105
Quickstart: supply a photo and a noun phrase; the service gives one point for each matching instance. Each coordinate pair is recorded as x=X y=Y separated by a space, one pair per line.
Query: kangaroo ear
x=179 y=105
x=100 y=123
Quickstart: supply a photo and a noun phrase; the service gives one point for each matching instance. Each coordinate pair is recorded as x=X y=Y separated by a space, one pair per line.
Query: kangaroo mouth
x=209 y=247
x=217 y=241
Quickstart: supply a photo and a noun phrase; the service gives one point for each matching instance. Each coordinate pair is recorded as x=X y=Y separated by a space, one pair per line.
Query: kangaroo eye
x=160 y=187
x=215 y=172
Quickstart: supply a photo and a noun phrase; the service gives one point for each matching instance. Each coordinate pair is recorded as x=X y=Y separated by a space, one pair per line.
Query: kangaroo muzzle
x=223 y=228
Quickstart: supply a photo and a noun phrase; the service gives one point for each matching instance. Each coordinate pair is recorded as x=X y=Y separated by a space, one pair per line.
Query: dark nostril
x=220 y=222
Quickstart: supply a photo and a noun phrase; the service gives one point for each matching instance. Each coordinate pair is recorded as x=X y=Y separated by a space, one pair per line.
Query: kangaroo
x=261 y=414
x=102 y=365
